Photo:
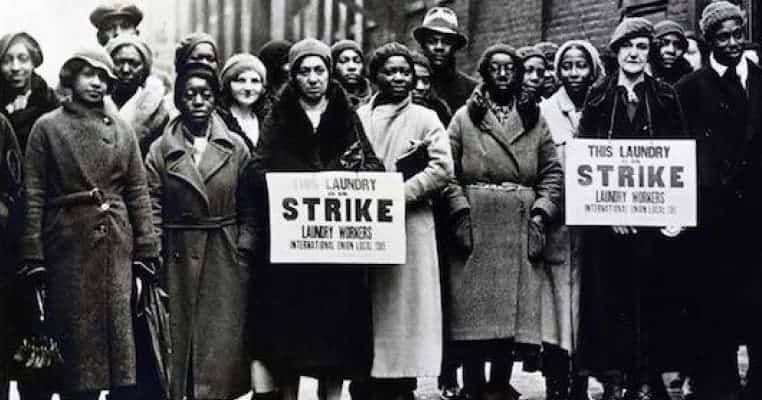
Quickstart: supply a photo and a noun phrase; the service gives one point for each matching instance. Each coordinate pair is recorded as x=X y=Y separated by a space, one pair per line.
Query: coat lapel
x=218 y=152
x=181 y=166
x=501 y=132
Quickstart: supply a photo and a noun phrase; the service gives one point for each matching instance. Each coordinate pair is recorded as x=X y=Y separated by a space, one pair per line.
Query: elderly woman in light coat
x=407 y=313
x=578 y=66
x=507 y=168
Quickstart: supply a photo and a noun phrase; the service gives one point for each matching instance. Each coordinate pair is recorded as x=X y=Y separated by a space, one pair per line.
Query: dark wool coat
x=88 y=248
x=727 y=126
x=313 y=318
x=495 y=293
x=195 y=210
x=42 y=100
x=10 y=207
x=453 y=86
x=623 y=275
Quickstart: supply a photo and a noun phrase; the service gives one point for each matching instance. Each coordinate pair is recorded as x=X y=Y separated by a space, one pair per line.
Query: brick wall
x=517 y=22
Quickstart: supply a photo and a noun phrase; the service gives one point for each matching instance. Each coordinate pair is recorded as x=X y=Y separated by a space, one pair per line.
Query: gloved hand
x=462 y=235
x=535 y=238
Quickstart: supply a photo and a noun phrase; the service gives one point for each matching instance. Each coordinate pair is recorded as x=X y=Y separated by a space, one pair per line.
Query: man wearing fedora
x=440 y=38
x=115 y=17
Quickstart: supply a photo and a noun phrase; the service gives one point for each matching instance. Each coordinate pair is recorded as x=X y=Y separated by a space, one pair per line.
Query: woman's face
x=395 y=78
x=349 y=67
x=671 y=48
x=90 y=85
x=204 y=53
x=246 y=88
x=16 y=66
x=534 y=74
x=575 y=71
x=312 y=78
x=500 y=73
x=632 y=55
x=693 y=54
x=197 y=101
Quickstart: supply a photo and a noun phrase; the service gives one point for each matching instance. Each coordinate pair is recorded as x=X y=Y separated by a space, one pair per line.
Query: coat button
x=107 y=120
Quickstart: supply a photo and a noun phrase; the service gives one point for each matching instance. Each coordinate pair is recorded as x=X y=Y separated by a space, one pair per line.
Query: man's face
x=16 y=66
x=115 y=26
x=129 y=66
x=422 y=83
x=671 y=48
x=632 y=55
x=395 y=78
x=89 y=86
x=727 y=42
x=349 y=67
x=439 y=48
x=204 y=53
x=312 y=79
x=197 y=101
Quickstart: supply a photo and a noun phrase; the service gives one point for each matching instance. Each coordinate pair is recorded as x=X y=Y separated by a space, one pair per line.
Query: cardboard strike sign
x=635 y=182
x=337 y=217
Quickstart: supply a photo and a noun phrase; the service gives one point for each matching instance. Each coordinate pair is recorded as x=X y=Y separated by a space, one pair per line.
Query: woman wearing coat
x=578 y=66
x=245 y=100
x=24 y=95
x=622 y=265
x=88 y=220
x=193 y=172
x=406 y=299
x=307 y=319
x=508 y=171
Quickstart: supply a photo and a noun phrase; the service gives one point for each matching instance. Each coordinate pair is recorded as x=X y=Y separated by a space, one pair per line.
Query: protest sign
x=635 y=182
x=337 y=217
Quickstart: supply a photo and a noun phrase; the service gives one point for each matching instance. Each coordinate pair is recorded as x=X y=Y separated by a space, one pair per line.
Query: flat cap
x=116 y=8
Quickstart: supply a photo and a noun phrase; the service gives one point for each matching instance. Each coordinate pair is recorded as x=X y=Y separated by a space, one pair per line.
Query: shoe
x=579 y=388
x=450 y=393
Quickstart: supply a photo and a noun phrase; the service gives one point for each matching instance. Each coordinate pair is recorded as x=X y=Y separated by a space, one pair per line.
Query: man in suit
x=723 y=108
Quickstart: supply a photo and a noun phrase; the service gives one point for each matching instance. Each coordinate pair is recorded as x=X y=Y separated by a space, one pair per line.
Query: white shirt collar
x=742 y=69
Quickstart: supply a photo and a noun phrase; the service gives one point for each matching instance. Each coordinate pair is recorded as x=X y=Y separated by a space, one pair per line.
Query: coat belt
x=506 y=186
x=205 y=223
x=90 y=197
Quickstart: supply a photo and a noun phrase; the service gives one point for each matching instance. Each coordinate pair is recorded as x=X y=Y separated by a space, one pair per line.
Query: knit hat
x=32 y=46
x=420 y=59
x=440 y=20
x=631 y=28
x=188 y=43
x=383 y=53
x=345 y=44
x=548 y=50
x=716 y=12
x=241 y=62
x=116 y=8
x=274 y=54
x=500 y=48
x=95 y=57
x=666 y=27
x=134 y=41
x=199 y=70
x=528 y=52
x=309 y=47
x=592 y=53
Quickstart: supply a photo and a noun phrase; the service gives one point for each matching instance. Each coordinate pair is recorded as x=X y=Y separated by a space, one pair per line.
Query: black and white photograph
x=380 y=200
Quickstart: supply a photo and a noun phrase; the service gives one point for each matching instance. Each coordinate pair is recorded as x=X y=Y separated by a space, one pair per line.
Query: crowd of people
x=122 y=182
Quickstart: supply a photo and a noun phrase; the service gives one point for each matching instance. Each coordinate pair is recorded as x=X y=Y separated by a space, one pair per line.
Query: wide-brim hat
x=95 y=57
x=440 y=20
